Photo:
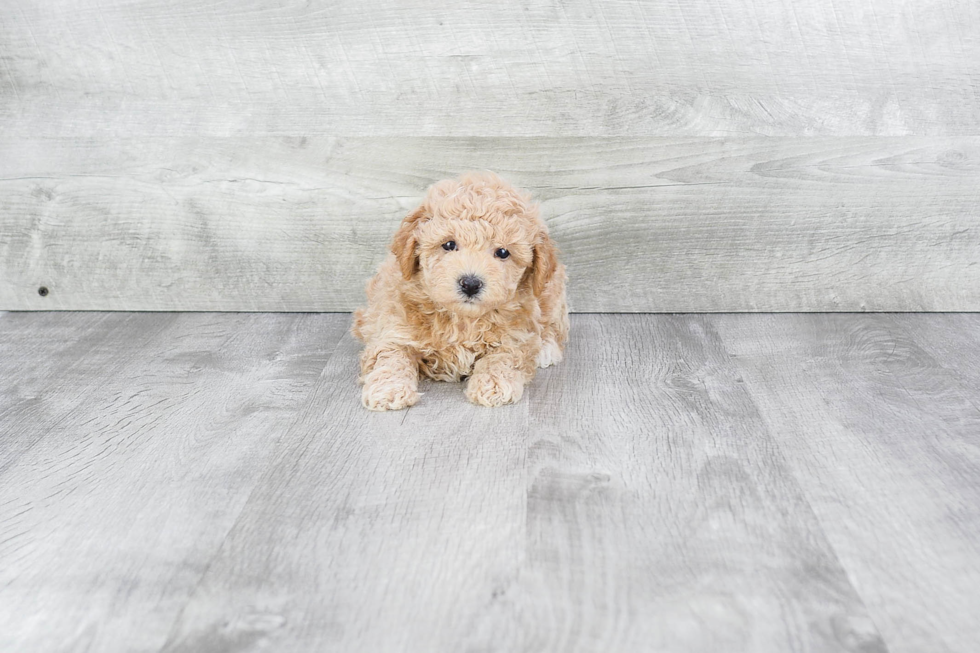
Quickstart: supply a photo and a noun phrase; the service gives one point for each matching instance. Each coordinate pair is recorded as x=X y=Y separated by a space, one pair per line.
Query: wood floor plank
x=884 y=441
x=149 y=431
x=373 y=532
x=51 y=363
x=661 y=516
x=210 y=483
x=953 y=340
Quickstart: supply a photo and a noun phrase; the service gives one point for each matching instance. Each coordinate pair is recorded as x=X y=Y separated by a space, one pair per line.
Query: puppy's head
x=474 y=243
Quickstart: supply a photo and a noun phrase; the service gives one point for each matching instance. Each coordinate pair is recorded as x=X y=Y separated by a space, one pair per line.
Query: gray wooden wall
x=723 y=155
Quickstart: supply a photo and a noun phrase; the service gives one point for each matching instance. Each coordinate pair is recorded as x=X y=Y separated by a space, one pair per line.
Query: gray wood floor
x=209 y=483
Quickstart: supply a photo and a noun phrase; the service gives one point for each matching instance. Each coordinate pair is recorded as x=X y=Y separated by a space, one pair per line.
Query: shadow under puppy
x=472 y=288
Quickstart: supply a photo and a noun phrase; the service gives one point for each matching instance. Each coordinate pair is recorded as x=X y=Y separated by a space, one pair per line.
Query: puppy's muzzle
x=470 y=285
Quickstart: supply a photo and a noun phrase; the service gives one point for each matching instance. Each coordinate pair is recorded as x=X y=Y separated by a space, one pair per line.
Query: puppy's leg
x=550 y=353
x=554 y=334
x=391 y=380
x=499 y=378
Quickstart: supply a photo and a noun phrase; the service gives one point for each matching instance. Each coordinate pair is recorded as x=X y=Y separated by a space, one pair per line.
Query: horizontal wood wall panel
x=575 y=68
x=299 y=223
x=716 y=156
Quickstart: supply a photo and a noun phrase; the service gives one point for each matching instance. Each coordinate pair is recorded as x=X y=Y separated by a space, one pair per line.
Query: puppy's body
x=472 y=289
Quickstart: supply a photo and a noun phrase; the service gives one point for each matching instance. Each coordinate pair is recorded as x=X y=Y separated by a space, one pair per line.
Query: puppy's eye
x=501 y=253
x=449 y=246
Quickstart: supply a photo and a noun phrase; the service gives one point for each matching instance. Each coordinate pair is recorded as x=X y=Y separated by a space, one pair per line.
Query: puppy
x=472 y=289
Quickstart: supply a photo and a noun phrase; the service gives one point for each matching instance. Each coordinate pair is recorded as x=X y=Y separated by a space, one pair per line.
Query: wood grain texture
x=563 y=523
x=138 y=439
x=371 y=532
x=82 y=350
x=762 y=484
x=661 y=515
x=953 y=342
x=650 y=225
x=577 y=68
x=884 y=442
x=727 y=156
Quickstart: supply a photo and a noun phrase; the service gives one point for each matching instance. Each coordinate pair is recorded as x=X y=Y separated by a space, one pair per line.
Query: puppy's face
x=471 y=266
x=473 y=242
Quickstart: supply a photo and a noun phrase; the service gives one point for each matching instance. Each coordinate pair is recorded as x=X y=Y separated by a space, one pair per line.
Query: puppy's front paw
x=487 y=389
x=549 y=355
x=388 y=396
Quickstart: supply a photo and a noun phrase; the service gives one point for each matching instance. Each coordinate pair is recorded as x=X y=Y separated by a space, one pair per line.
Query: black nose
x=470 y=285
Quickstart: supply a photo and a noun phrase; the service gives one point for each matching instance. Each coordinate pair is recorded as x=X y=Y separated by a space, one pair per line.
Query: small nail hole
x=43 y=291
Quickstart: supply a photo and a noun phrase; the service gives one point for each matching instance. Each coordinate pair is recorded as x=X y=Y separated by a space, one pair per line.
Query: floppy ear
x=405 y=243
x=544 y=264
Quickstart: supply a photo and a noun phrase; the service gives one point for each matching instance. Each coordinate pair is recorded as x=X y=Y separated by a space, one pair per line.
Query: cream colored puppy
x=472 y=288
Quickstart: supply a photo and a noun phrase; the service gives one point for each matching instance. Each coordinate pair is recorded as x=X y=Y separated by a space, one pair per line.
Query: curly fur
x=419 y=321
